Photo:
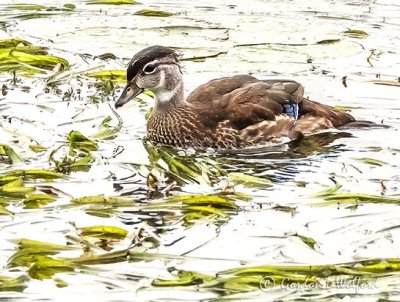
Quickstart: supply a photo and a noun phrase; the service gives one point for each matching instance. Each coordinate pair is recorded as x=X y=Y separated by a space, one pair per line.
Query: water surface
x=304 y=41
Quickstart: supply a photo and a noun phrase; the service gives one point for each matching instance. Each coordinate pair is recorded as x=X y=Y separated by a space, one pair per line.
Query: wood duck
x=225 y=113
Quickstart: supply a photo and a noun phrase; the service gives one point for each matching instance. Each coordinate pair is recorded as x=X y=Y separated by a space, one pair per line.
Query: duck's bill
x=130 y=92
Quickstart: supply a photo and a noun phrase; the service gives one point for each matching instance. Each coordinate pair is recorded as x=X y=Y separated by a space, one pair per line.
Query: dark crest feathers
x=145 y=56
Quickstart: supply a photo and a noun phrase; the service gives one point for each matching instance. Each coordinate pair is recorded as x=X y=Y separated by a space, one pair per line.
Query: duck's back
x=256 y=110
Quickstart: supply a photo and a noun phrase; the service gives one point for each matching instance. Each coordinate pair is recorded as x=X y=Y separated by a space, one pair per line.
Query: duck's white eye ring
x=149 y=68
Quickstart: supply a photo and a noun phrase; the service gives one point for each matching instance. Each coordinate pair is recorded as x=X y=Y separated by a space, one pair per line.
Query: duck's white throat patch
x=162 y=94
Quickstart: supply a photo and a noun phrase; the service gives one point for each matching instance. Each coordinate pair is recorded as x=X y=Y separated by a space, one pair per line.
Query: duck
x=232 y=112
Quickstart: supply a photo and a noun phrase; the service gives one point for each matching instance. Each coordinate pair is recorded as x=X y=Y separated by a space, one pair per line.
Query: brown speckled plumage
x=230 y=112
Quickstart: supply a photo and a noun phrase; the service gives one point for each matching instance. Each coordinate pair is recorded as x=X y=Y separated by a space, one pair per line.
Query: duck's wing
x=243 y=101
x=263 y=110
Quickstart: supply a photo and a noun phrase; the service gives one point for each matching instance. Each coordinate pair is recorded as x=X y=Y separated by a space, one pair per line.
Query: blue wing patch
x=292 y=110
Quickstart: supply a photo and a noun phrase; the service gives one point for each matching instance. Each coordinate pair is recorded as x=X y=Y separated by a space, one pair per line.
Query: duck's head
x=157 y=69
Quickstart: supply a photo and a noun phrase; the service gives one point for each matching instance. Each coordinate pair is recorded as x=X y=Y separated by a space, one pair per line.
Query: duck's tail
x=362 y=124
x=314 y=117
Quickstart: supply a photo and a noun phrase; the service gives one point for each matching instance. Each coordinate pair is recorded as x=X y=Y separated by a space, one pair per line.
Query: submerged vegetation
x=86 y=202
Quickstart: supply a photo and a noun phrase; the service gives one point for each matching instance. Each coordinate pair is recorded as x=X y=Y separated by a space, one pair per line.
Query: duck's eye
x=149 y=68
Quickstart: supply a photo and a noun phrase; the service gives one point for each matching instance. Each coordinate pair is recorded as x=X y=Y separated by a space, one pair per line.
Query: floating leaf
x=328 y=191
x=6 y=179
x=4 y=211
x=205 y=200
x=109 y=132
x=106 y=56
x=113 y=257
x=183 y=169
x=308 y=241
x=37 y=148
x=118 y=76
x=185 y=281
x=25 y=6
x=374 y=148
x=356 y=33
x=6 y=150
x=284 y=270
x=387 y=83
x=232 y=284
x=29 y=49
x=15 y=189
x=81 y=163
x=371 y=161
x=238 y=284
x=185 y=278
x=245 y=279
x=346 y=198
x=113 y=2
x=153 y=13
x=42 y=246
x=286 y=209
x=69 y=6
x=9 y=43
x=35 y=174
x=18 y=284
x=34 y=201
x=34 y=16
x=101 y=199
x=28 y=250
x=60 y=283
x=104 y=232
x=357 y=268
x=21 y=56
x=332 y=197
x=328 y=41
x=392 y=265
x=46 y=267
x=343 y=108
x=249 y=180
x=203 y=58
x=41 y=61
x=105 y=212
x=219 y=207
x=80 y=142
x=203 y=212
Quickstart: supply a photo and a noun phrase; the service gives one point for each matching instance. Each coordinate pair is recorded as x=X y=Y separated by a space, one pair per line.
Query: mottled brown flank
x=241 y=111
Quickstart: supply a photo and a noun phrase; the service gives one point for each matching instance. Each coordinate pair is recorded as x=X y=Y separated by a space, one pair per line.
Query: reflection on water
x=319 y=143
x=203 y=212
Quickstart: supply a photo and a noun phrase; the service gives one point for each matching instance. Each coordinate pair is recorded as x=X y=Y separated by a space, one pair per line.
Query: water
x=269 y=39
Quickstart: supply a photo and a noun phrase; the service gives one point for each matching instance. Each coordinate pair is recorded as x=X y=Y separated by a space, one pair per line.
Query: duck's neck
x=170 y=93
